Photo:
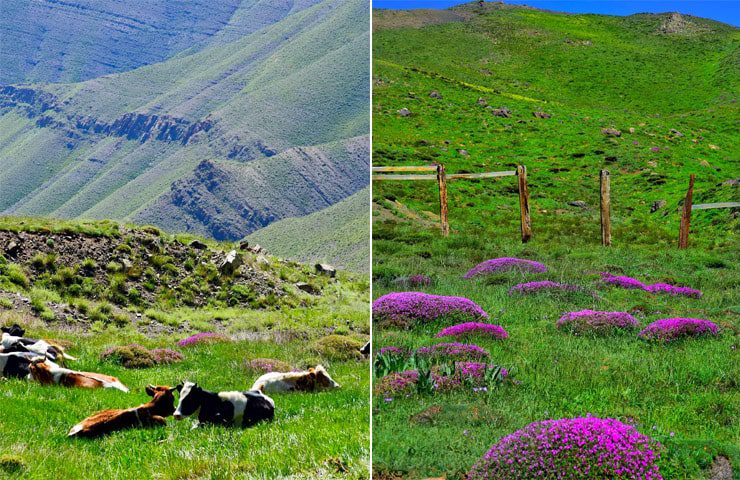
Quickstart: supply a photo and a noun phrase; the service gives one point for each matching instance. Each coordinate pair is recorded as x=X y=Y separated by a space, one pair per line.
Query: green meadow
x=589 y=72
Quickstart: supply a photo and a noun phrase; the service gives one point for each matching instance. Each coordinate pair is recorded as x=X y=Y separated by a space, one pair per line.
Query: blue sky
x=727 y=11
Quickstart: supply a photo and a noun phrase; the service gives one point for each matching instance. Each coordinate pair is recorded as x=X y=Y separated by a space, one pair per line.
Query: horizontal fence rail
x=707 y=206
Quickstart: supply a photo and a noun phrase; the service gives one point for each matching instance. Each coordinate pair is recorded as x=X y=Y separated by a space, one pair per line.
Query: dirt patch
x=390 y=19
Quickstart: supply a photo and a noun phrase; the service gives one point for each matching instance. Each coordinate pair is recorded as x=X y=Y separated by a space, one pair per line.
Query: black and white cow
x=12 y=343
x=16 y=364
x=14 y=330
x=243 y=409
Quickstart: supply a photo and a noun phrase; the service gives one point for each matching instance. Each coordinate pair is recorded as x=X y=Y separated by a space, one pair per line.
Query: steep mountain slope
x=117 y=146
x=339 y=234
x=69 y=41
x=666 y=83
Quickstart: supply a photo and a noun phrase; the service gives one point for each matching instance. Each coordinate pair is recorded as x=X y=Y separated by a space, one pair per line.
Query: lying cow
x=14 y=330
x=365 y=350
x=48 y=373
x=308 y=381
x=16 y=364
x=150 y=414
x=224 y=408
x=11 y=343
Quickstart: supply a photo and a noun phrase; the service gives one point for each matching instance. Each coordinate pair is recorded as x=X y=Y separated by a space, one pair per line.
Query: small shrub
x=453 y=351
x=15 y=274
x=397 y=384
x=338 y=347
x=267 y=365
x=669 y=329
x=166 y=356
x=622 y=281
x=599 y=323
x=203 y=338
x=589 y=448
x=129 y=356
x=407 y=308
x=6 y=303
x=474 y=329
x=506 y=264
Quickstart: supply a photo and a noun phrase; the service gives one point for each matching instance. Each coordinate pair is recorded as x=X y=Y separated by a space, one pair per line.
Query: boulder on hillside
x=578 y=203
x=231 y=263
x=243 y=245
x=307 y=287
x=501 y=112
x=541 y=115
x=326 y=269
x=676 y=133
x=198 y=245
x=435 y=94
x=657 y=205
x=482 y=102
x=463 y=152
x=12 y=249
x=611 y=132
x=404 y=112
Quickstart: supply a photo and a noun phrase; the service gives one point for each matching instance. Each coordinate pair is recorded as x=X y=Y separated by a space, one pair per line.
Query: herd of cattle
x=43 y=362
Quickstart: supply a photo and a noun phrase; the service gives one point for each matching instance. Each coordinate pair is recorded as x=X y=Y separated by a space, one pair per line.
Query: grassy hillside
x=338 y=235
x=671 y=92
x=114 y=145
x=97 y=285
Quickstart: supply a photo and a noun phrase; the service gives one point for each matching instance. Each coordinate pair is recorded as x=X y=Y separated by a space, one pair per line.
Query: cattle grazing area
x=200 y=325
x=583 y=353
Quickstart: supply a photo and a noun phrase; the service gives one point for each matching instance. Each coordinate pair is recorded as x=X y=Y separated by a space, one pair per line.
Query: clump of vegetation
x=267 y=365
x=203 y=338
x=338 y=347
x=11 y=464
x=138 y=356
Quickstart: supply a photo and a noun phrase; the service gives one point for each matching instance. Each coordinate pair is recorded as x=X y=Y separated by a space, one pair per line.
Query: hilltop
x=275 y=92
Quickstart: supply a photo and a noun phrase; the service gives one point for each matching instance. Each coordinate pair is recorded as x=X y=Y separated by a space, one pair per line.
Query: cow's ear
x=178 y=388
x=311 y=370
x=149 y=389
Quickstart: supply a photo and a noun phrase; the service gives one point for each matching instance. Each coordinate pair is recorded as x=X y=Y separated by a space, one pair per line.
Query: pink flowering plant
x=473 y=376
x=673 y=290
x=670 y=329
x=584 y=448
x=470 y=329
x=406 y=309
x=595 y=322
x=505 y=264
x=623 y=281
x=397 y=384
x=203 y=337
x=453 y=351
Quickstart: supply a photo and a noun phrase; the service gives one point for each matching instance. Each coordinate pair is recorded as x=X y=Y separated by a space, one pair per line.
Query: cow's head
x=191 y=398
x=163 y=399
x=41 y=371
x=14 y=330
x=323 y=380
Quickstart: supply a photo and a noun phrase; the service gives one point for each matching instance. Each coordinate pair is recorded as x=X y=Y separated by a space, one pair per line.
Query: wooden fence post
x=683 y=234
x=526 y=221
x=606 y=222
x=442 y=179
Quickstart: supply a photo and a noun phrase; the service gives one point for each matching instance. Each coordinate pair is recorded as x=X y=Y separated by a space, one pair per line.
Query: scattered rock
x=307 y=287
x=482 y=102
x=326 y=269
x=501 y=112
x=435 y=94
x=676 y=24
x=721 y=469
x=198 y=245
x=676 y=133
x=611 y=132
x=632 y=130
x=127 y=264
x=713 y=147
x=257 y=248
x=262 y=260
x=404 y=112
x=231 y=263
x=464 y=153
x=541 y=115
x=12 y=249
x=657 y=205
x=732 y=182
x=578 y=203
x=243 y=245
x=611 y=159
x=652 y=163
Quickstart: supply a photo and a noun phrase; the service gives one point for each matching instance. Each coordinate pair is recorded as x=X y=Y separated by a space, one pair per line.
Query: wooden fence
x=389 y=173
x=688 y=207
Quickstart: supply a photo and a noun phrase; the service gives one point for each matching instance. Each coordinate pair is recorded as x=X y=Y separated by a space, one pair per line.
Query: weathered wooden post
x=442 y=180
x=526 y=221
x=606 y=221
x=683 y=234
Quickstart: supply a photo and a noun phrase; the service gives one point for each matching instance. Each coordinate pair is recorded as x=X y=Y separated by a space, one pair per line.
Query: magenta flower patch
x=203 y=337
x=395 y=384
x=622 y=281
x=669 y=329
x=391 y=350
x=453 y=351
x=673 y=290
x=542 y=286
x=467 y=374
x=406 y=308
x=474 y=328
x=419 y=281
x=587 y=447
x=596 y=322
x=506 y=264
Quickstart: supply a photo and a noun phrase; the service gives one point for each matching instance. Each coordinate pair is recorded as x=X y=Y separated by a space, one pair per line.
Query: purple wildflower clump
x=395 y=384
x=586 y=447
x=474 y=328
x=454 y=351
x=542 y=286
x=506 y=264
x=268 y=365
x=406 y=308
x=622 y=281
x=591 y=321
x=419 y=281
x=673 y=290
x=669 y=329
x=467 y=374
x=391 y=350
x=203 y=337
x=166 y=356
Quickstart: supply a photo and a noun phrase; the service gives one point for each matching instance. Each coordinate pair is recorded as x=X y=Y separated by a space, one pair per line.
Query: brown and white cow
x=308 y=381
x=150 y=414
x=48 y=373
